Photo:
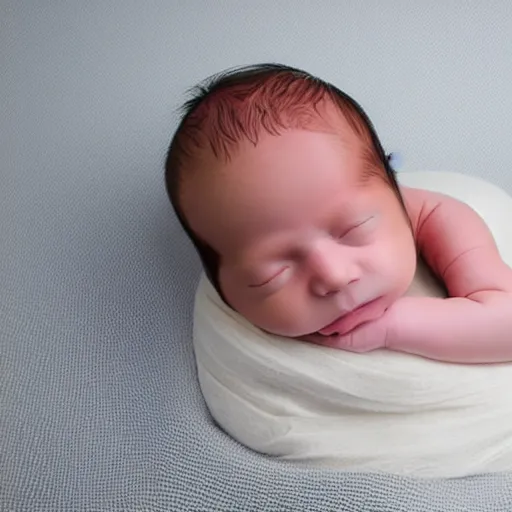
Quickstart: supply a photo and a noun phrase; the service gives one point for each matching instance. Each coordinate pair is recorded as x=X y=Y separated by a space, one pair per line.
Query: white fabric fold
x=379 y=412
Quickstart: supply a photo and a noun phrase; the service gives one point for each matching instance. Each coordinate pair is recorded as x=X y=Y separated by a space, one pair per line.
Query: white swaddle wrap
x=381 y=411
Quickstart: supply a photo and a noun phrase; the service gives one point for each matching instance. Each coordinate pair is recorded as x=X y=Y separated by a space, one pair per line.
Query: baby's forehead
x=271 y=150
x=255 y=172
x=292 y=172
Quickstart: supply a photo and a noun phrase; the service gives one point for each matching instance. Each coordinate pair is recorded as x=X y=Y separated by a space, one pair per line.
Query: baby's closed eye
x=358 y=230
x=269 y=279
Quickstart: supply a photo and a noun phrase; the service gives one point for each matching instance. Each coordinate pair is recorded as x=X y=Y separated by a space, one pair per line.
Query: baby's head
x=283 y=186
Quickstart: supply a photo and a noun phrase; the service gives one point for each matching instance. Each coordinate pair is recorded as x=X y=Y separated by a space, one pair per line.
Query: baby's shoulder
x=420 y=203
x=416 y=201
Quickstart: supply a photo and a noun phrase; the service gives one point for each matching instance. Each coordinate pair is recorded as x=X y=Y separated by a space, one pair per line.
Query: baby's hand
x=366 y=337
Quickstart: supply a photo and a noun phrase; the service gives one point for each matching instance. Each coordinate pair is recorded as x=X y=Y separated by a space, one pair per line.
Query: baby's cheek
x=286 y=312
x=281 y=314
x=234 y=294
x=397 y=264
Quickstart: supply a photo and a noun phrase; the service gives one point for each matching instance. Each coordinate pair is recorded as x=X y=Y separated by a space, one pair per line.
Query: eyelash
x=268 y=280
x=354 y=227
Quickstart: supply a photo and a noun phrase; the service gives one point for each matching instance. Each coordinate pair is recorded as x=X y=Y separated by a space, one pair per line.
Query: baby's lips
x=352 y=319
x=332 y=328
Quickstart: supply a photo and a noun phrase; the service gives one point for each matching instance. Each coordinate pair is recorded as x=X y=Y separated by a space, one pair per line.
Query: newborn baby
x=282 y=184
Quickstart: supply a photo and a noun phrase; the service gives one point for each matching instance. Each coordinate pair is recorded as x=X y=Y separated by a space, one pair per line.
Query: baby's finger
x=352 y=341
x=347 y=341
x=365 y=338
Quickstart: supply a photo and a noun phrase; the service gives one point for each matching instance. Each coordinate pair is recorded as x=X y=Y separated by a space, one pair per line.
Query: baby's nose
x=328 y=285
x=331 y=272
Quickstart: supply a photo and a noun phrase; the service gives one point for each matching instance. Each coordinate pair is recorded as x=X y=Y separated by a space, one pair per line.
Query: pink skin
x=303 y=241
x=474 y=324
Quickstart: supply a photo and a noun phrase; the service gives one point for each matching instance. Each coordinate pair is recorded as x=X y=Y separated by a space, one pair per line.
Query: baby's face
x=302 y=240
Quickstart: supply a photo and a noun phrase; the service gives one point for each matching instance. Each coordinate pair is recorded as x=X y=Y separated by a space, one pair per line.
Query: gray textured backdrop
x=100 y=409
x=96 y=83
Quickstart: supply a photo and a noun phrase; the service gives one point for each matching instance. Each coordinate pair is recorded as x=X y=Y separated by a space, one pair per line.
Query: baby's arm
x=474 y=325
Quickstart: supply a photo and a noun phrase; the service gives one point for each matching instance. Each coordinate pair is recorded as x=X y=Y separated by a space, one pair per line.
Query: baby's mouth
x=339 y=326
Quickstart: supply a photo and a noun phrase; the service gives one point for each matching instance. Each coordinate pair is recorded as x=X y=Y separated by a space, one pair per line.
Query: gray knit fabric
x=100 y=406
